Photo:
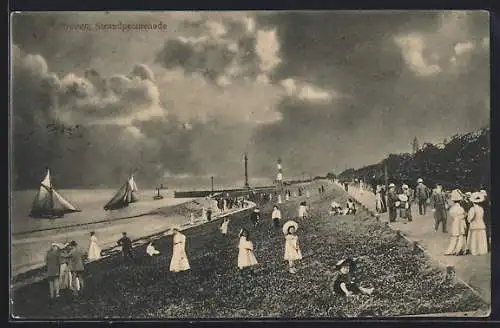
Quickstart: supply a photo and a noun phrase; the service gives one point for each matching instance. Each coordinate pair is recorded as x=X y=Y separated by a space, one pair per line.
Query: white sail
x=49 y=203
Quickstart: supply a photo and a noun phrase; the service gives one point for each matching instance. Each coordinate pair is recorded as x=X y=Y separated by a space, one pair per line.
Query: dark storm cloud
x=386 y=104
x=210 y=59
x=380 y=80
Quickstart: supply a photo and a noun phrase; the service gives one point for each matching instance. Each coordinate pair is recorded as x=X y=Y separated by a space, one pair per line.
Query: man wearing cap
x=439 y=205
x=422 y=193
x=409 y=194
x=392 y=198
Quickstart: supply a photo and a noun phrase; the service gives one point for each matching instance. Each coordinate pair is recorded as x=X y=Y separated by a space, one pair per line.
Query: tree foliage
x=463 y=162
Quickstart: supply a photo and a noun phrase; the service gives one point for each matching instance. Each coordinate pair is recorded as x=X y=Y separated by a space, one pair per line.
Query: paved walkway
x=474 y=270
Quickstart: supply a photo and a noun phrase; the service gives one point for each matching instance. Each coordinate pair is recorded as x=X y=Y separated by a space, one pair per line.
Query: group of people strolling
x=469 y=214
x=64 y=269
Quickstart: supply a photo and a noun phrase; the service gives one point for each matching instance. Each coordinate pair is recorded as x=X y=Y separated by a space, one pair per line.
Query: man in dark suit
x=422 y=194
x=76 y=267
x=392 y=198
x=126 y=245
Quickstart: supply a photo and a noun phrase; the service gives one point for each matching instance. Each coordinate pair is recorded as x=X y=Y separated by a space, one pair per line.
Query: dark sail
x=49 y=203
x=124 y=196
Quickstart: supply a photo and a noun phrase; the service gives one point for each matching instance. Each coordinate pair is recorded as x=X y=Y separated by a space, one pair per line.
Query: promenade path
x=474 y=270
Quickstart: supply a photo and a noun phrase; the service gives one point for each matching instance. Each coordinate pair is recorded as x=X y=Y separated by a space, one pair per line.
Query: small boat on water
x=124 y=196
x=158 y=196
x=48 y=203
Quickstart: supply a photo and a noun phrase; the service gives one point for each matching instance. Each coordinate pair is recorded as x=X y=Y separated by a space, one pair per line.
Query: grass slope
x=404 y=281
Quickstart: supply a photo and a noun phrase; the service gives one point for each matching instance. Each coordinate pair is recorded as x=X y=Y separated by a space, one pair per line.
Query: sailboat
x=49 y=203
x=124 y=196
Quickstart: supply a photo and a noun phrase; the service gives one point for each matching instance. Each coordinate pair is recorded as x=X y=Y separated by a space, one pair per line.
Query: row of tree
x=463 y=162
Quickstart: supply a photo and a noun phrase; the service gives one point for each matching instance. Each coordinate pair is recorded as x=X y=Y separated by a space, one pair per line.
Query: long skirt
x=94 y=252
x=246 y=258
x=457 y=244
x=179 y=262
x=65 y=277
x=477 y=242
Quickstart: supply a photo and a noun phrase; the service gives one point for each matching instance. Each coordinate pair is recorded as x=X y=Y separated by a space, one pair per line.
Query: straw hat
x=289 y=224
x=477 y=197
x=342 y=263
x=419 y=180
x=392 y=185
x=456 y=195
x=256 y=210
x=403 y=198
x=405 y=186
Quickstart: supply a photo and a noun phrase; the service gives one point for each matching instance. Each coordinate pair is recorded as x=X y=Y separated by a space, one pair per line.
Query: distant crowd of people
x=464 y=216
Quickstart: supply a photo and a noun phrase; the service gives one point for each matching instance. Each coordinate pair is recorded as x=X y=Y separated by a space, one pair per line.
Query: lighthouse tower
x=279 y=182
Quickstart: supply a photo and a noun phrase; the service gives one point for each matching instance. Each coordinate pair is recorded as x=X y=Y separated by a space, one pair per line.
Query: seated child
x=351 y=207
x=335 y=208
x=344 y=281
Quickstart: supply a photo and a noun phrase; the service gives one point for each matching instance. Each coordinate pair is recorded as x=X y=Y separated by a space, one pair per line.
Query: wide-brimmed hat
x=289 y=224
x=403 y=198
x=405 y=186
x=392 y=185
x=482 y=191
x=420 y=180
x=344 y=262
x=256 y=210
x=456 y=195
x=477 y=197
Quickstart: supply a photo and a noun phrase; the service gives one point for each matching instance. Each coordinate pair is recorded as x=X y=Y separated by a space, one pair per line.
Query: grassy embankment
x=404 y=280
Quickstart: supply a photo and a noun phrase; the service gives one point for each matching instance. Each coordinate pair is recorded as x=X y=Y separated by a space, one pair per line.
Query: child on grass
x=292 y=249
x=344 y=281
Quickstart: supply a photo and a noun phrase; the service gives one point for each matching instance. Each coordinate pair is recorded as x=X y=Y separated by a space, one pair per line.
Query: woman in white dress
x=292 y=249
x=457 y=245
x=378 y=199
x=477 y=242
x=246 y=257
x=94 y=252
x=204 y=214
x=224 y=226
x=179 y=260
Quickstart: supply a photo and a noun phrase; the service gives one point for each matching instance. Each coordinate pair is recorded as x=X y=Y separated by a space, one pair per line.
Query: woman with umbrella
x=292 y=249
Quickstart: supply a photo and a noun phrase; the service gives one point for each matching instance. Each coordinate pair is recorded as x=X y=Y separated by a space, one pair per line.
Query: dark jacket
x=53 y=262
x=125 y=243
x=75 y=260
x=392 y=198
x=422 y=192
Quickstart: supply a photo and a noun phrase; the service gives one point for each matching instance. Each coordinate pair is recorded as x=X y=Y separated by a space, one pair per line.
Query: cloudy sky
x=324 y=91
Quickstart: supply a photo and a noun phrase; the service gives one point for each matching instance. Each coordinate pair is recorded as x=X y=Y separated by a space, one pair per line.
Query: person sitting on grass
x=292 y=249
x=351 y=207
x=344 y=281
x=335 y=208
x=151 y=250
